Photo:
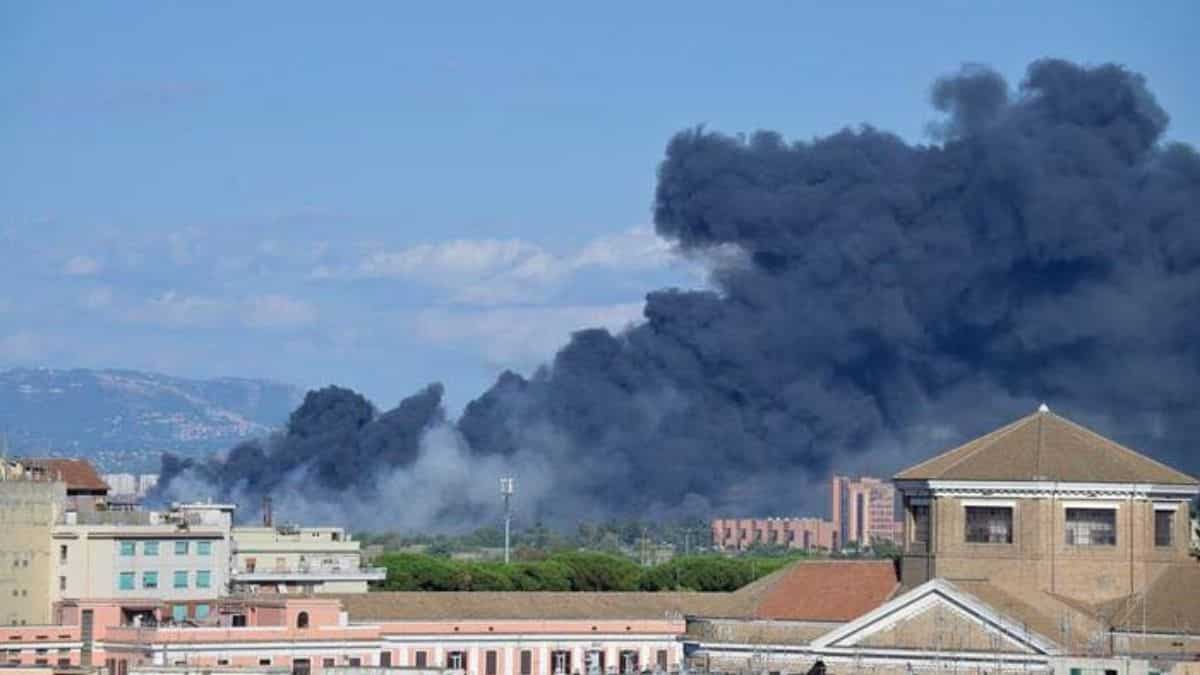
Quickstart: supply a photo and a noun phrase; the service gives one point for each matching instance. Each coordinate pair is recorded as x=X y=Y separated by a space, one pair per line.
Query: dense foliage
x=573 y=571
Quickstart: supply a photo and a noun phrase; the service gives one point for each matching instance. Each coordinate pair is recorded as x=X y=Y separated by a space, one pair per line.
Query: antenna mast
x=506 y=490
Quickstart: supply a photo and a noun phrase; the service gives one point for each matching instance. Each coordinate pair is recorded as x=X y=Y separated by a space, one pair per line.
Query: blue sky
x=385 y=194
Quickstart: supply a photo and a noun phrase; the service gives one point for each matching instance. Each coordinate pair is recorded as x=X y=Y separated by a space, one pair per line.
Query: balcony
x=309 y=574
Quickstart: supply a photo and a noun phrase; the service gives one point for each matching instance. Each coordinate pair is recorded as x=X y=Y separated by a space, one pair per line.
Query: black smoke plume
x=874 y=302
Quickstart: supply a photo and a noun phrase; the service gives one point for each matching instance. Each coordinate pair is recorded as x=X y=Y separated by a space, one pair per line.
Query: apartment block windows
x=526 y=662
x=202 y=612
x=204 y=548
x=1164 y=527
x=989 y=524
x=125 y=581
x=149 y=579
x=181 y=579
x=128 y=548
x=203 y=579
x=1091 y=527
x=150 y=548
x=181 y=548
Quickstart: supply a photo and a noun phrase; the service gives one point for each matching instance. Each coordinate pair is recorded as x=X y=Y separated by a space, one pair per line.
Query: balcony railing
x=310 y=572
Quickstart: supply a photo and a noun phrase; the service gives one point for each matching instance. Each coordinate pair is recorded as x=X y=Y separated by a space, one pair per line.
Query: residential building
x=179 y=558
x=291 y=559
x=863 y=510
x=739 y=534
x=30 y=503
x=86 y=491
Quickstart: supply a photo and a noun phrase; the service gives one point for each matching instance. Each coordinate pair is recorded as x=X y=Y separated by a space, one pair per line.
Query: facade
x=863 y=510
x=179 y=557
x=1041 y=547
x=29 y=505
x=291 y=559
x=738 y=534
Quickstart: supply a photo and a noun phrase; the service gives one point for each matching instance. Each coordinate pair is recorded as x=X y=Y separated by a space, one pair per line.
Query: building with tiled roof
x=79 y=475
x=1039 y=547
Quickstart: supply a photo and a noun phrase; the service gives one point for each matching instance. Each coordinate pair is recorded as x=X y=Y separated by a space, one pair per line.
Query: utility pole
x=506 y=490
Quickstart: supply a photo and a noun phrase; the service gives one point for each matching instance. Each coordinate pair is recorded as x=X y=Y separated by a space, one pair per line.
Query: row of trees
x=573 y=571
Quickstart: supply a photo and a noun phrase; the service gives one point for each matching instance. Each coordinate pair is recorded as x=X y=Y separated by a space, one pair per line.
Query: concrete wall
x=28 y=510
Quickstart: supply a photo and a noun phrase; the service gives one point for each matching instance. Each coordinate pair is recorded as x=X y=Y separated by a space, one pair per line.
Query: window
x=989 y=525
x=179 y=612
x=595 y=659
x=489 y=663
x=181 y=579
x=456 y=660
x=62 y=553
x=201 y=612
x=302 y=620
x=629 y=661
x=222 y=662
x=354 y=661
x=920 y=521
x=385 y=659
x=125 y=581
x=301 y=667
x=560 y=661
x=1092 y=527
x=181 y=548
x=662 y=660
x=422 y=659
x=150 y=548
x=328 y=663
x=62 y=583
x=149 y=579
x=203 y=579
x=264 y=662
x=1164 y=527
x=204 y=548
x=526 y=662
x=128 y=548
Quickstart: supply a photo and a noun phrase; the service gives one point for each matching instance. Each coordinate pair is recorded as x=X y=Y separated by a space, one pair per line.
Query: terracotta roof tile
x=1045 y=446
x=823 y=590
x=78 y=474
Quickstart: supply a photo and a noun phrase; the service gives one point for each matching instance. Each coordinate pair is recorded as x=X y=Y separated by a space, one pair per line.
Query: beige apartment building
x=29 y=505
x=178 y=557
x=291 y=559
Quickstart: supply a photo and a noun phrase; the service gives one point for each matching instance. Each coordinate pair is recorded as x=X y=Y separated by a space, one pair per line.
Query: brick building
x=864 y=510
x=1041 y=547
x=738 y=534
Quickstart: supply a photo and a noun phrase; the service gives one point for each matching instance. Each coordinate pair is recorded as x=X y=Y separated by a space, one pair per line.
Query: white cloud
x=520 y=337
x=23 y=346
x=97 y=298
x=277 y=311
x=178 y=310
x=82 y=266
x=495 y=271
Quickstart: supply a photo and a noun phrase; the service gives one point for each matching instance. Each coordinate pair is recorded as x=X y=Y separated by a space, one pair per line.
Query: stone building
x=1039 y=547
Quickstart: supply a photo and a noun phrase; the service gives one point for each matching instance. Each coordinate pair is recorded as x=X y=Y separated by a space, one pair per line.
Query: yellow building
x=29 y=505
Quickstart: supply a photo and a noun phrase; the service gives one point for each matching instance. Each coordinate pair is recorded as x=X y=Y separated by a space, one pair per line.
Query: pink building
x=864 y=510
x=799 y=533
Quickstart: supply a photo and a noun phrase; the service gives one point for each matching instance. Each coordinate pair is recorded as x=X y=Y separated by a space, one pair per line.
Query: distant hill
x=124 y=419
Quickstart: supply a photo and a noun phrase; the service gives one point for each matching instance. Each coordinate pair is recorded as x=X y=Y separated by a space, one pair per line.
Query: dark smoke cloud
x=882 y=301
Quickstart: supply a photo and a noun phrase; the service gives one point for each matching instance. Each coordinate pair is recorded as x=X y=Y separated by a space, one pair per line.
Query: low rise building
x=739 y=534
x=292 y=559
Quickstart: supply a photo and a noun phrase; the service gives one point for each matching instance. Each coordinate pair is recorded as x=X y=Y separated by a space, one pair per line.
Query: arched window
x=302 y=620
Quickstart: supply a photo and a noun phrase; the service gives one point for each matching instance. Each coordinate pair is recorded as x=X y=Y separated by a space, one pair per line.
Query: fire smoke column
x=506 y=491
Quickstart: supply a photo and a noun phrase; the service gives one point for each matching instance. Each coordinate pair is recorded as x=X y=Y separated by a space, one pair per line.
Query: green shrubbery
x=573 y=571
